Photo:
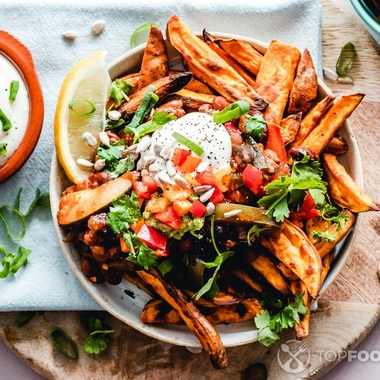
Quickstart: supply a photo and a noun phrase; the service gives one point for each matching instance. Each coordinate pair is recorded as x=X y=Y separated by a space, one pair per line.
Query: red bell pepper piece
x=141 y=190
x=275 y=142
x=152 y=238
x=169 y=217
x=252 y=178
x=198 y=208
x=217 y=196
x=206 y=178
x=306 y=211
x=150 y=183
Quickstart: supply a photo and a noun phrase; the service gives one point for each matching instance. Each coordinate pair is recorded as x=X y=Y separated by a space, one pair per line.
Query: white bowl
x=114 y=298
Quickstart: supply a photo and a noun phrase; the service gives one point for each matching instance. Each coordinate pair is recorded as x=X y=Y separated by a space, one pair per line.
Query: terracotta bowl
x=19 y=55
x=115 y=299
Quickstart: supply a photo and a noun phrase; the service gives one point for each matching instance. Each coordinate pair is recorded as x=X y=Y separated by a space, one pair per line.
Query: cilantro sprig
x=211 y=287
x=120 y=90
x=271 y=323
x=306 y=175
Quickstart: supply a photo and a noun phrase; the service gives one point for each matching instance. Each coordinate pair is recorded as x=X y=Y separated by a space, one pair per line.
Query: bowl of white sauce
x=20 y=97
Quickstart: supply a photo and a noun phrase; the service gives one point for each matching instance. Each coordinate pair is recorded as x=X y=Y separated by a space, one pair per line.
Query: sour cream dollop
x=17 y=111
x=198 y=127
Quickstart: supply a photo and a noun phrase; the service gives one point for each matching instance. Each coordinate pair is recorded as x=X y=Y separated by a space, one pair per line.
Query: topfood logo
x=293 y=356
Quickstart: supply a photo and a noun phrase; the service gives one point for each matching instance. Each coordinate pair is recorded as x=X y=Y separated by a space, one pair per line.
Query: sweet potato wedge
x=198 y=86
x=302 y=329
x=155 y=62
x=209 y=67
x=194 y=319
x=293 y=248
x=243 y=276
x=242 y=52
x=275 y=78
x=288 y=273
x=210 y=40
x=290 y=126
x=338 y=232
x=336 y=146
x=310 y=120
x=305 y=86
x=163 y=87
x=331 y=121
x=343 y=189
x=193 y=99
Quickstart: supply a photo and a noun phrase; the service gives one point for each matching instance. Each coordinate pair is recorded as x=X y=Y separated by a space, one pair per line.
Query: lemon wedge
x=81 y=109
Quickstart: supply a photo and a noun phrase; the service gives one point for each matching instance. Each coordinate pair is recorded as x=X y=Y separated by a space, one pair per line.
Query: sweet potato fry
x=336 y=146
x=326 y=263
x=155 y=62
x=193 y=99
x=293 y=248
x=320 y=225
x=163 y=87
x=243 y=276
x=290 y=126
x=302 y=329
x=221 y=299
x=194 y=319
x=343 y=189
x=331 y=121
x=275 y=78
x=210 y=40
x=158 y=311
x=197 y=86
x=288 y=273
x=242 y=52
x=305 y=86
x=268 y=269
x=310 y=120
x=209 y=67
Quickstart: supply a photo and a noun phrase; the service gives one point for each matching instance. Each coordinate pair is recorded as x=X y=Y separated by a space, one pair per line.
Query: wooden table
x=346 y=313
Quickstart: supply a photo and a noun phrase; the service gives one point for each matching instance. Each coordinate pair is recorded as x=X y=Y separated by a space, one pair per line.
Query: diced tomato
x=206 y=178
x=217 y=196
x=190 y=164
x=180 y=155
x=150 y=183
x=197 y=208
x=152 y=238
x=169 y=217
x=306 y=211
x=252 y=178
x=141 y=190
x=275 y=142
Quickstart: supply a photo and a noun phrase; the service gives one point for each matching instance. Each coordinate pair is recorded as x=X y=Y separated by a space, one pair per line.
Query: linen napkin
x=47 y=282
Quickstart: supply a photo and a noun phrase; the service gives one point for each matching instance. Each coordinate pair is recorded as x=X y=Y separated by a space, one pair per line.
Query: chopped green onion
x=6 y=123
x=25 y=317
x=3 y=148
x=75 y=101
x=188 y=143
x=15 y=85
x=140 y=34
x=345 y=58
x=165 y=267
x=20 y=260
x=58 y=333
x=233 y=111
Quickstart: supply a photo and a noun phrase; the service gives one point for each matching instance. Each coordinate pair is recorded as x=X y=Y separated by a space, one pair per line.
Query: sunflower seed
x=345 y=80
x=166 y=152
x=206 y=195
x=143 y=145
x=180 y=181
x=85 y=163
x=157 y=149
x=98 y=26
x=104 y=138
x=170 y=168
x=330 y=74
x=164 y=177
x=210 y=208
x=231 y=213
x=202 y=189
x=70 y=34
x=89 y=139
x=140 y=164
x=114 y=115
x=149 y=161
x=99 y=165
x=131 y=148
x=155 y=168
x=202 y=167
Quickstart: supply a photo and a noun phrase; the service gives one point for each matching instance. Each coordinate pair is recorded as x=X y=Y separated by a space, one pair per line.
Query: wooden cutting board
x=345 y=315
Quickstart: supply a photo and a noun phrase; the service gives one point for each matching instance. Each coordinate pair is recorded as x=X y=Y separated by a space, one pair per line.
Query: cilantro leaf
x=323 y=235
x=123 y=212
x=120 y=90
x=270 y=326
x=146 y=257
x=255 y=126
x=255 y=232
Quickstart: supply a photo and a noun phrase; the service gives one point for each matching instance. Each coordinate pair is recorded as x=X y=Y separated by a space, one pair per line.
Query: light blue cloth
x=47 y=282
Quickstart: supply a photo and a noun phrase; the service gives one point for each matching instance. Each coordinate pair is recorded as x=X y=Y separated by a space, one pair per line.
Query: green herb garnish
x=188 y=143
x=255 y=126
x=345 y=59
x=14 y=87
x=3 y=148
x=98 y=340
x=82 y=103
x=323 y=235
x=61 y=339
x=6 y=123
x=120 y=90
x=233 y=111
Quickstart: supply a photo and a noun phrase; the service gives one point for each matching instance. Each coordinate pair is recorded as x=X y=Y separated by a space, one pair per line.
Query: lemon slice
x=88 y=81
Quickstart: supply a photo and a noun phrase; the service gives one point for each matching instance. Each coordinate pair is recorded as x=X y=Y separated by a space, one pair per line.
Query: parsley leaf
x=120 y=90
x=332 y=214
x=290 y=191
x=269 y=326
